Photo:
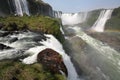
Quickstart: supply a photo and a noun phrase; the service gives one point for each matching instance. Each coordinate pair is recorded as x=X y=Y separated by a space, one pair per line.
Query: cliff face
x=39 y=7
x=4 y=8
x=19 y=7
x=113 y=24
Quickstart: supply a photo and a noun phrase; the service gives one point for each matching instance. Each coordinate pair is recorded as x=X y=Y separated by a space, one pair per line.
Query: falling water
x=25 y=45
x=97 y=59
x=108 y=59
x=105 y=50
x=57 y=14
x=75 y=18
x=100 y=23
x=21 y=7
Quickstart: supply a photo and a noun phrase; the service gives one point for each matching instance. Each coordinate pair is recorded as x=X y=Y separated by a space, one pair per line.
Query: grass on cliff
x=34 y=23
x=15 y=70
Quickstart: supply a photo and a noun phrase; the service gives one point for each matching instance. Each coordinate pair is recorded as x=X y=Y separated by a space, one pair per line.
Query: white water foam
x=24 y=40
x=55 y=45
x=102 y=19
x=71 y=19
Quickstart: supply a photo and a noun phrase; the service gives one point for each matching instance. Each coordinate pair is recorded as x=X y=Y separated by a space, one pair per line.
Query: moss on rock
x=15 y=70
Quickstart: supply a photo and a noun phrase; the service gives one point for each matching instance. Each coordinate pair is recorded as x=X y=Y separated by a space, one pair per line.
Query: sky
x=81 y=5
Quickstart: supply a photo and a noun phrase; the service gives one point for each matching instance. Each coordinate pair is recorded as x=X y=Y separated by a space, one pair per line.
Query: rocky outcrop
x=52 y=61
x=4 y=7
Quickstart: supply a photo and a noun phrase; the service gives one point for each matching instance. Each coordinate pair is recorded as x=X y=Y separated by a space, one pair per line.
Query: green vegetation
x=15 y=70
x=34 y=23
x=114 y=23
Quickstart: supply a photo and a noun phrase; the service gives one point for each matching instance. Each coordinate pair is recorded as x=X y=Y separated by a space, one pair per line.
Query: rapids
x=27 y=46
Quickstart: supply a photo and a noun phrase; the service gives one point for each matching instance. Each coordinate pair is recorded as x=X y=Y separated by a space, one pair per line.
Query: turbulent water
x=21 y=7
x=100 y=23
x=26 y=45
x=96 y=59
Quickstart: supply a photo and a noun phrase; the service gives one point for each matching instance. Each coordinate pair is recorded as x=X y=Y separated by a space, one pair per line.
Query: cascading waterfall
x=57 y=14
x=75 y=18
x=21 y=7
x=105 y=50
x=98 y=58
x=108 y=55
x=102 y=19
x=25 y=45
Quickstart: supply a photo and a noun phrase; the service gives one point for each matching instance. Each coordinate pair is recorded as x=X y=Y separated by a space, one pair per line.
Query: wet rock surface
x=3 y=34
x=39 y=38
x=2 y=47
x=52 y=60
x=13 y=40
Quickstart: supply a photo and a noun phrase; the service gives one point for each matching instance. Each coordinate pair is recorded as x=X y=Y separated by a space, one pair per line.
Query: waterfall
x=57 y=14
x=105 y=50
x=73 y=18
x=94 y=57
x=25 y=7
x=102 y=19
x=21 y=7
x=105 y=57
x=26 y=45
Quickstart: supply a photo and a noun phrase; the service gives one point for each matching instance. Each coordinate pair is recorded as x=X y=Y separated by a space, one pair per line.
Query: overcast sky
x=81 y=5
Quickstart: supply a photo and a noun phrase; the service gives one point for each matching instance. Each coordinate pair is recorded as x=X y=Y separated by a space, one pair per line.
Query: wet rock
x=1 y=25
x=52 y=60
x=2 y=46
x=13 y=40
x=3 y=34
x=39 y=38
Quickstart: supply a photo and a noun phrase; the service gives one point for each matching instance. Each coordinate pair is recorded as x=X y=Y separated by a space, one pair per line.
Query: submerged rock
x=39 y=38
x=13 y=40
x=52 y=60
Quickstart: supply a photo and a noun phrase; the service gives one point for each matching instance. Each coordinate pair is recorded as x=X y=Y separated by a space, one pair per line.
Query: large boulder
x=53 y=61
